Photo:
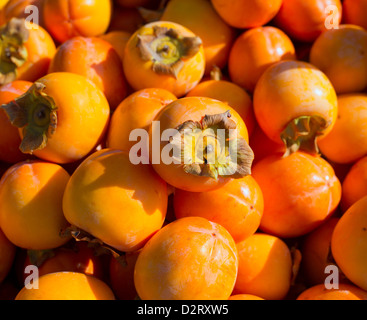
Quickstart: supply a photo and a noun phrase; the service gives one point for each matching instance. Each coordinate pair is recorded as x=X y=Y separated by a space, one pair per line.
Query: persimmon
x=61 y=118
x=121 y=276
x=354 y=186
x=67 y=285
x=354 y=12
x=105 y=183
x=67 y=19
x=254 y=51
x=24 y=9
x=237 y=206
x=349 y=243
x=126 y=19
x=299 y=112
x=347 y=141
x=306 y=20
x=244 y=296
x=118 y=40
x=247 y=14
x=208 y=140
x=188 y=259
x=97 y=60
x=300 y=192
x=165 y=55
x=9 y=135
x=342 y=54
x=200 y=17
x=32 y=217
x=26 y=52
x=230 y=93
x=137 y=111
x=264 y=267
x=7 y=255
x=344 y=292
x=316 y=254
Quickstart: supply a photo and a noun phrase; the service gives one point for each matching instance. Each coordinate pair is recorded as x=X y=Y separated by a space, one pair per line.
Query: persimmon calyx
x=212 y=148
x=167 y=49
x=35 y=113
x=301 y=134
x=13 y=53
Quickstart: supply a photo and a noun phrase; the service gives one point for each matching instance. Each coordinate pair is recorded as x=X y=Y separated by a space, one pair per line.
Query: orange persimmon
x=300 y=192
x=118 y=39
x=355 y=12
x=7 y=255
x=125 y=19
x=254 y=51
x=97 y=60
x=244 y=296
x=24 y=9
x=345 y=291
x=188 y=259
x=166 y=55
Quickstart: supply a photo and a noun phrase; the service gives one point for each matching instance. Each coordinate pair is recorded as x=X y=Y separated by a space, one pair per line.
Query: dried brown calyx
x=167 y=49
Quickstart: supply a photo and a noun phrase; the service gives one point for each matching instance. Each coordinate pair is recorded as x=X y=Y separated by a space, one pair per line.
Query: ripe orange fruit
x=118 y=40
x=244 y=296
x=188 y=259
x=345 y=292
x=354 y=12
x=18 y=9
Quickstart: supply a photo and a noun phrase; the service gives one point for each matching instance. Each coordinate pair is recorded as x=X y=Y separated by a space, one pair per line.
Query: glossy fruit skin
x=176 y=113
x=98 y=61
x=83 y=116
x=9 y=135
x=254 y=51
x=67 y=19
x=264 y=268
x=237 y=206
x=349 y=243
x=167 y=267
x=67 y=286
x=118 y=40
x=32 y=217
x=345 y=292
x=247 y=14
x=316 y=252
x=354 y=12
x=137 y=111
x=305 y=20
x=244 y=296
x=140 y=75
x=354 y=186
x=300 y=192
x=200 y=17
x=7 y=255
x=342 y=54
x=106 y=182
x=230 y=93
x=347 y=141
x=277 y=100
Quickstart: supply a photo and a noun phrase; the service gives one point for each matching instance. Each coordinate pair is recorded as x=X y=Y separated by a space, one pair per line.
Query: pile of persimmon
x=183 y=149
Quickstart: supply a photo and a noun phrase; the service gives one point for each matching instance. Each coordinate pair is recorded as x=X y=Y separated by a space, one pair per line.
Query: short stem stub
x=301 y=134
x=35 y=112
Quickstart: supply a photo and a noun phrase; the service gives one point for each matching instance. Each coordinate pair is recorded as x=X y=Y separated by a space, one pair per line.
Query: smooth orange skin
x=300 y=192
x=347 y=141
x=17 y=8
x=315 y=252
x=244 y=296
x=349 y=243
x=305 y=20
x=254 y=51
x=247 y=14
x=105 y=183
x=67 y=286
x=9 y=135
x=230 y=93
x=237 y=206
x=137 y=111
x=345 y=292
x=354 y=186
x=118 y=40
x=188 y=259
x=355 y=12
x=140 y=75
x=32 y=217
x=7 y=255
x=290 y=89
x=83 y=116
x=98 y=61
x=122 y=277
x=342 y=54
x=264 y=267
x=200 y=17
x=67 y=19
x=170 y=117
